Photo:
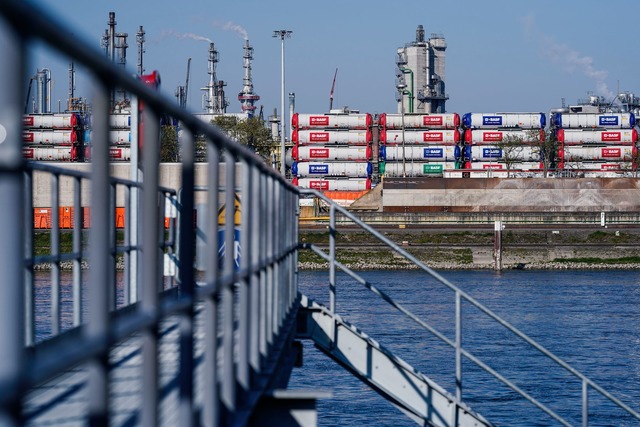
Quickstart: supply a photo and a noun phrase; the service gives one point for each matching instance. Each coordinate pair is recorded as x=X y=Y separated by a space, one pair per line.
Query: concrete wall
x=511 y=195
x=170 y=177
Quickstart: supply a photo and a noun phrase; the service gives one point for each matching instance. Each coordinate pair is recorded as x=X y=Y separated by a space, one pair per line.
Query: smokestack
x=420 y=34
x=140 y=40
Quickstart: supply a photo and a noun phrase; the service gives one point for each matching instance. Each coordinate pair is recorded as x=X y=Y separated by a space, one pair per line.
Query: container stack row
x=332 y=152
x=53 y=137
x=596 y=144
x=419 y=144
x=503 y=144
x=119 y=137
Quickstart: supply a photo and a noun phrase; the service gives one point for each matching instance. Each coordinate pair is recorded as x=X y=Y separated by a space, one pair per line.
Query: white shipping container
x=312 y=153
x=50 y=153
x=325 y=137
x=579 y=136
x=504 y=120
x=591 y=120
x=618 y=153
x=419 y=136
x=396 y=169
x=336 y=184
x=522 y=153
x=482 y=136
x=58 y=137
x=51 y=121
x=446 y=153
x=331 y=121
x=343 y=169
x=416 y=121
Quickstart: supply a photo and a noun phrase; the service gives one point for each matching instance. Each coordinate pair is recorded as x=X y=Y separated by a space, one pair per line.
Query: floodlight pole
x=282 y=34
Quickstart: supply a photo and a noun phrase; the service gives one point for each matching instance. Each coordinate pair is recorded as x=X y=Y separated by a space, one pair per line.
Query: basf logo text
x=491 y=120
x=319 y=169
x=608 y=121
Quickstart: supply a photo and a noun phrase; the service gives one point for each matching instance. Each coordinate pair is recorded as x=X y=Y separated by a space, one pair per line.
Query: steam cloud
x=230 y=26
x=569 y=59
x=182 y=36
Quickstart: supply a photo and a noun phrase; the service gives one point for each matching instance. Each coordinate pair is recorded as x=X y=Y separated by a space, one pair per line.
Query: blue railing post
x=228 y=364
x=55 y=253
x=585 y=403
x=151 y=256
x=244 y=313
x=12 y=216
x=98 y=325
x=211 y=389
x=186 y=283
x=332 y=257
x=458 y=347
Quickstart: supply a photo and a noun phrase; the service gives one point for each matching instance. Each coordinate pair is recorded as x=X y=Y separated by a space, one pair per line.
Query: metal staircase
x=420 y=398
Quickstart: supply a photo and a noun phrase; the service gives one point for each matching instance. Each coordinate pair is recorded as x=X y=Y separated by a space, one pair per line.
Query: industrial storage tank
x=116 y=154
x=348 y=184
x=339 y=169
x=347 y=121
x=51 y=121
x=504 y=120
x=416 y=168
x=595 y=166
x=50 y=153
x=523 y=153
x=480 y=136
x=120 y=154
x=120 y=121
x=609 y=153
x=579 y=136
x=116 y=136
x=497 y=165
x=592 y=120
x=429 y=121
x=419 y=136
x=343 y=137
x=355 y=154
x=58 y=137
x=448 y=153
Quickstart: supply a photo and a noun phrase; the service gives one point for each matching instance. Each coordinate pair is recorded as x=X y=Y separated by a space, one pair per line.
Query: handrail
x=459 y=294
x=257 y=322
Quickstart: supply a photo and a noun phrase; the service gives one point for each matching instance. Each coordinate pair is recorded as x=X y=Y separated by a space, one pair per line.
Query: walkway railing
x=246 y=307
x=459 y=297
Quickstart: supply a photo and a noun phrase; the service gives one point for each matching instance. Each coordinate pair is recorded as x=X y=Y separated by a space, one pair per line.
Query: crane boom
x=333 y=86
x=186 y=86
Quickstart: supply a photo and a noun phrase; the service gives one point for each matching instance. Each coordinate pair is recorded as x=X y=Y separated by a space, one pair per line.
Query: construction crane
x=333 y=86
x=186 y=86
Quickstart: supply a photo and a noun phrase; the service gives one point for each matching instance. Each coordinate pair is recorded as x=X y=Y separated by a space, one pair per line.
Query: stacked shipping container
x=332 y=152
x=52 y=137
x=419 y=144
x=496 y=144
x=601 y=143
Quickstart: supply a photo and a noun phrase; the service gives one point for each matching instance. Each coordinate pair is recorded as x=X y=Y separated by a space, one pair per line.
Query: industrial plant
x=348 y=151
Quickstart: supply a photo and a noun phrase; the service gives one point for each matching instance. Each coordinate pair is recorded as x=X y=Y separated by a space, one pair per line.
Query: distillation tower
x=247 y=97
x=420 y=75
x=213 y=100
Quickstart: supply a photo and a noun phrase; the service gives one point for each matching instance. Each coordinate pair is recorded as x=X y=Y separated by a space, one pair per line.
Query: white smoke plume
x=182 y=36
x=230 y=26
x=567 y=58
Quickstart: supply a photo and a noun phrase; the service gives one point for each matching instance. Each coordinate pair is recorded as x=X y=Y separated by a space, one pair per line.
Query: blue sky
x=501 y=55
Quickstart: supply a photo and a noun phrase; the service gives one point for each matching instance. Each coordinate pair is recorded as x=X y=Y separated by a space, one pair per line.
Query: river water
x=591 y=319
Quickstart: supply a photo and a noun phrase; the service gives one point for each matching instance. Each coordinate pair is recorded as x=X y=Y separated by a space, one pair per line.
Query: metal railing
x=460 y=296
x=245 y=308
